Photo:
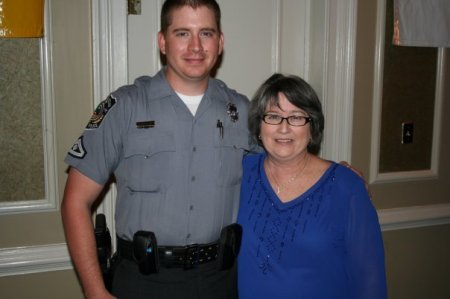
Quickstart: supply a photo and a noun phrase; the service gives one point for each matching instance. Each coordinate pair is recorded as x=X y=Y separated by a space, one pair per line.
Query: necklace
x=282 y=187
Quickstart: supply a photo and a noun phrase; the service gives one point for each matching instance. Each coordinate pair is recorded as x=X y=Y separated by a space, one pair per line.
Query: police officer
x=174 y=143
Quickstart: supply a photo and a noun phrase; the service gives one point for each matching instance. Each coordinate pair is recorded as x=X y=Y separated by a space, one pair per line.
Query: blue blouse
x=327 y=243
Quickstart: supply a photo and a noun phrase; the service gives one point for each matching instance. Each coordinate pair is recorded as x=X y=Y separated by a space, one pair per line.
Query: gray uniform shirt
x=177 y=175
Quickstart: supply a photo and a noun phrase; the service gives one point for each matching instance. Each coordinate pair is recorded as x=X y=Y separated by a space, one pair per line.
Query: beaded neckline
x=264 y=180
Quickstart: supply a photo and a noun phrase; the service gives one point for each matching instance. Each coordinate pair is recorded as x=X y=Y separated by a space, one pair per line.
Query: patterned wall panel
x=21 y=139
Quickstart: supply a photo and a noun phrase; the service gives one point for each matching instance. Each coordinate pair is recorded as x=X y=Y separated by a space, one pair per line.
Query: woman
x=309 y=227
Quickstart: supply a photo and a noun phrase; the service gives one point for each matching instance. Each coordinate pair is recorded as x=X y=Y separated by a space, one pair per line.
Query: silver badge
x=232 y=112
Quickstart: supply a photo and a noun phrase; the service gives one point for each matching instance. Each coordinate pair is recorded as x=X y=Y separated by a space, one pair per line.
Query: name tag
x=145 y=124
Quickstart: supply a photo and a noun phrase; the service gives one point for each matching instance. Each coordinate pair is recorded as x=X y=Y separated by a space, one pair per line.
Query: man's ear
x=221 y=43
x=162 y=42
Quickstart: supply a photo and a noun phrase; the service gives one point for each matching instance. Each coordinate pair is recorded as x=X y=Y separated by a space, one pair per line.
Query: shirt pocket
x=149 y=158
x=229 y=152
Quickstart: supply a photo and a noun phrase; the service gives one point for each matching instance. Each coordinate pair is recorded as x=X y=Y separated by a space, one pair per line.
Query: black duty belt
x=175 y=256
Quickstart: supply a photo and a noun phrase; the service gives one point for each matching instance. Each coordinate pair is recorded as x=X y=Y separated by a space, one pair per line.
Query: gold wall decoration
x=21 y=18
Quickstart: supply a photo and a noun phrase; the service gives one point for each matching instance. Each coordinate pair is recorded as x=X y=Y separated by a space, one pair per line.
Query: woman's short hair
x=299 y=93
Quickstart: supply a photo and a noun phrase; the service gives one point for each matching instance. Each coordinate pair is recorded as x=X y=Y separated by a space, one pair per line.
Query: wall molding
x=109 y=45
x=338 y=77
x=110 y=69
x=34 y=259
x=50 y=202
x=55 y=257
x=414 y=217
x=375 y=177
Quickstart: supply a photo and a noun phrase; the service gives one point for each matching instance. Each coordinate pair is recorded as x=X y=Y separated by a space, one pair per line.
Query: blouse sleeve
x=365 y=248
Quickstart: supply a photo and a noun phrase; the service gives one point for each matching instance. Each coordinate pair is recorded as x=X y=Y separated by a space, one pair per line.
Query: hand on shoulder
x=359 y=173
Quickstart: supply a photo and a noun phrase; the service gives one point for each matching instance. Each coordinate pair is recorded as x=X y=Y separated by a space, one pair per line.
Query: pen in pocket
x=220 y=126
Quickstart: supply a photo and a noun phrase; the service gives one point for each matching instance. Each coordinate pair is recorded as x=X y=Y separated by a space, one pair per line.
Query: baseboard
x=414 y=216
x=34 y=259
x=55 y=257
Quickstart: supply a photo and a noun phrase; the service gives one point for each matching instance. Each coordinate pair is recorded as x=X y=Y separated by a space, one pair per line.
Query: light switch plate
x=407 y=132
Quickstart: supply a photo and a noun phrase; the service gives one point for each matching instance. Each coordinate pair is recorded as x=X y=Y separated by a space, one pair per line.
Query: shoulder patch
x=78 y=151
x=100 y=113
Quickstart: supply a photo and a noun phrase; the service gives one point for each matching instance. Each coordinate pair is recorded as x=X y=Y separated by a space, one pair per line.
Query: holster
x=103 y=244
x=145 y=252
x=229 y=245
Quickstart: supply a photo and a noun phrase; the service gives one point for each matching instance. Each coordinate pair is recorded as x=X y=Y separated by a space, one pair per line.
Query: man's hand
x=358 y=172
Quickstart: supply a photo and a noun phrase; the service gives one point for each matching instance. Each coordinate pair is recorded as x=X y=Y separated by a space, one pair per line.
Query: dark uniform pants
x=201 y=282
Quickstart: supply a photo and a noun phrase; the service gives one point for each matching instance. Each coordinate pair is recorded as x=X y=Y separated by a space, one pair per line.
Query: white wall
x=267 y=36
x=256 y=33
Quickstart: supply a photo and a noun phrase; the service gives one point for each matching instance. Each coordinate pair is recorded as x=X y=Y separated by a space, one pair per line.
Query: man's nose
x=195 y=44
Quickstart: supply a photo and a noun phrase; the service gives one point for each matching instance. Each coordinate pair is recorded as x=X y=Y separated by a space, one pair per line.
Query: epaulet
x=230 y=91
x=142 y=81
x=138 y=83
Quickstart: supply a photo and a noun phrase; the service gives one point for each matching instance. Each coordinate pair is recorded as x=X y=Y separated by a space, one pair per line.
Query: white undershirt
x=192 y=102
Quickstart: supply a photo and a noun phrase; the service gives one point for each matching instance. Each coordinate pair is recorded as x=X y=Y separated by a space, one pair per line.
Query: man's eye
x=206 y=34
x=181 y=34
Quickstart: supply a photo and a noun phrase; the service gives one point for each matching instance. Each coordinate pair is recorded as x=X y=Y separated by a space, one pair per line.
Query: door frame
x=337 y=38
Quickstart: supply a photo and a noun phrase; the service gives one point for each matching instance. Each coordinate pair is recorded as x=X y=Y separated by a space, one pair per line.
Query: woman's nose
x=284 y=126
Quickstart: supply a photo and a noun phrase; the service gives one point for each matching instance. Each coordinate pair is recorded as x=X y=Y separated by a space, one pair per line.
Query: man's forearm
x=79 y=195
x=81 y=242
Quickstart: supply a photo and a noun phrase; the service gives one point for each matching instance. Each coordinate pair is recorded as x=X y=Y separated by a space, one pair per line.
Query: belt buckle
x=191 y=255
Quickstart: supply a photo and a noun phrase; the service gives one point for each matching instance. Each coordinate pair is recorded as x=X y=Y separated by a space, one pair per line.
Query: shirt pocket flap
x=149 y=143
x=236 y=138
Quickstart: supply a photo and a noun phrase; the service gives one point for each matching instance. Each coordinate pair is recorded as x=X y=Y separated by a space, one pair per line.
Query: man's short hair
x=170 y=5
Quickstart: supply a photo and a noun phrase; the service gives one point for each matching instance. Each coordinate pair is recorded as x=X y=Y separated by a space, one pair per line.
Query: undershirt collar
x=192 y=102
